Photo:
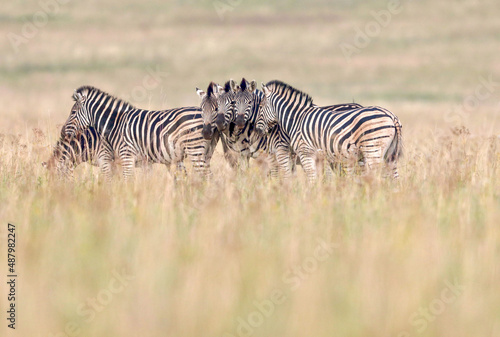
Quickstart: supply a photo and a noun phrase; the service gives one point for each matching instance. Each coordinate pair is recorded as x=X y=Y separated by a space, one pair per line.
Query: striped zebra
x=247 y=102
x=209 y=108
x=370 y=135
x=218 y=107
x=88 y=146
x=138 y=135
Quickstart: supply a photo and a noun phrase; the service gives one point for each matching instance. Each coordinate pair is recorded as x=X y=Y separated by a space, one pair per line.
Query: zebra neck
x=257 y=98
x=289 y=113
x=109 y=119
x=69 y=152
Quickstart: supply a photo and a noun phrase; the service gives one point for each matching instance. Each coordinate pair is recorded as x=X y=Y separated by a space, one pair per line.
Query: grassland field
x=243 y=255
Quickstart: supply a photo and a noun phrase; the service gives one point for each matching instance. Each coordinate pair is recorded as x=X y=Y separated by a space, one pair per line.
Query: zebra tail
x=395 y=150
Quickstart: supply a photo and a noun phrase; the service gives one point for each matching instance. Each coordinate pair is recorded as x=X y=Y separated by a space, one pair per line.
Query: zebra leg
x=308 y=159
x=325 y=170
x=273 y=165
x=285 y=161
x=180 y=172
x=373 y=153
x=105 y=162
x=335 y=167
x=295 y=160
x=106 y=169
x=229 y=154
x=393 y=167
x=198 y=160
x=181 y=168
x=328 y=171
x=127 y=160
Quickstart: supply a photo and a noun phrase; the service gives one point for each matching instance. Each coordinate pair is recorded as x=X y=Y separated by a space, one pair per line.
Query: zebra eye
x=233 y=102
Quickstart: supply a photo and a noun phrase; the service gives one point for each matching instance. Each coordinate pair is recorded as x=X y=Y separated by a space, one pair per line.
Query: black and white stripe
x=218 y=104
x=138 y=135
x=211 y=102
x=370 y=135
x=248 y=101
x=87 y=146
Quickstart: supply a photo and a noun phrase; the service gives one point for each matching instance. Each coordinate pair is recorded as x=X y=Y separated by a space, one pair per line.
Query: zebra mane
x=284 y=87
x=87 y=90
x=210 y=89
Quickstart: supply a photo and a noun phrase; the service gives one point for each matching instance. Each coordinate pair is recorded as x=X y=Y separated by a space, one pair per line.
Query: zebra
x=218 y=106
x=138 y=135
x=370 y=134
x=209 y=107
x=247 y=102
x=86 y=146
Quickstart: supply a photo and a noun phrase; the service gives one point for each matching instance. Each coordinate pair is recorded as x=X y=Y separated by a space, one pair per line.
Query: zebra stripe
x=371 y=135
x=138 y=135
x=218 y=106
x=209 y=110
x=248 y=101
x=88 y=146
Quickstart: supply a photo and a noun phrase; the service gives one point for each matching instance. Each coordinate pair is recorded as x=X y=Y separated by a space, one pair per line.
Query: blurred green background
x=429 y=53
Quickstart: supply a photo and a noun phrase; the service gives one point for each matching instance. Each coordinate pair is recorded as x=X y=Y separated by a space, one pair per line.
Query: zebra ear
x=200 y=93
x=234 y=86
x=253 y=86
x=266 y=91
x=78 y=97
x=215 y=90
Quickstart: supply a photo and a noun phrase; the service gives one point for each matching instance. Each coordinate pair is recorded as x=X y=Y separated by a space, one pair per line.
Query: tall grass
x=202 y=254
x=241 y=254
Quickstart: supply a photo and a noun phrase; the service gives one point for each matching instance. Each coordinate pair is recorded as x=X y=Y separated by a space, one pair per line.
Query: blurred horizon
x=428 y=53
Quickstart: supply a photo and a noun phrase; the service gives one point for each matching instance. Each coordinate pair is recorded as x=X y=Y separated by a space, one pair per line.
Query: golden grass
x=205 y=256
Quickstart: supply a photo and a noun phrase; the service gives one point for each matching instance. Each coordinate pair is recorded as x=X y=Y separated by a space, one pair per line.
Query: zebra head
x=225 y=102
x=209 y=108
x=59 y=162
x=267 y=116
x=244 y=100
x=79 y=117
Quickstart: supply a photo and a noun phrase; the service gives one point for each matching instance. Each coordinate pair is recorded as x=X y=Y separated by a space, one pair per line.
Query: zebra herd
x=279 y=123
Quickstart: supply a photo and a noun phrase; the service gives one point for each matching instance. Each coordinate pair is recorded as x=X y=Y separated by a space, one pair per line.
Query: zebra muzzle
x=220 y=122
x=206 y=132
x=240 y=121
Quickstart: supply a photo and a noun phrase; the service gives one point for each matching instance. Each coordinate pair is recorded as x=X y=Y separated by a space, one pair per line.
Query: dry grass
x=203 y=254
